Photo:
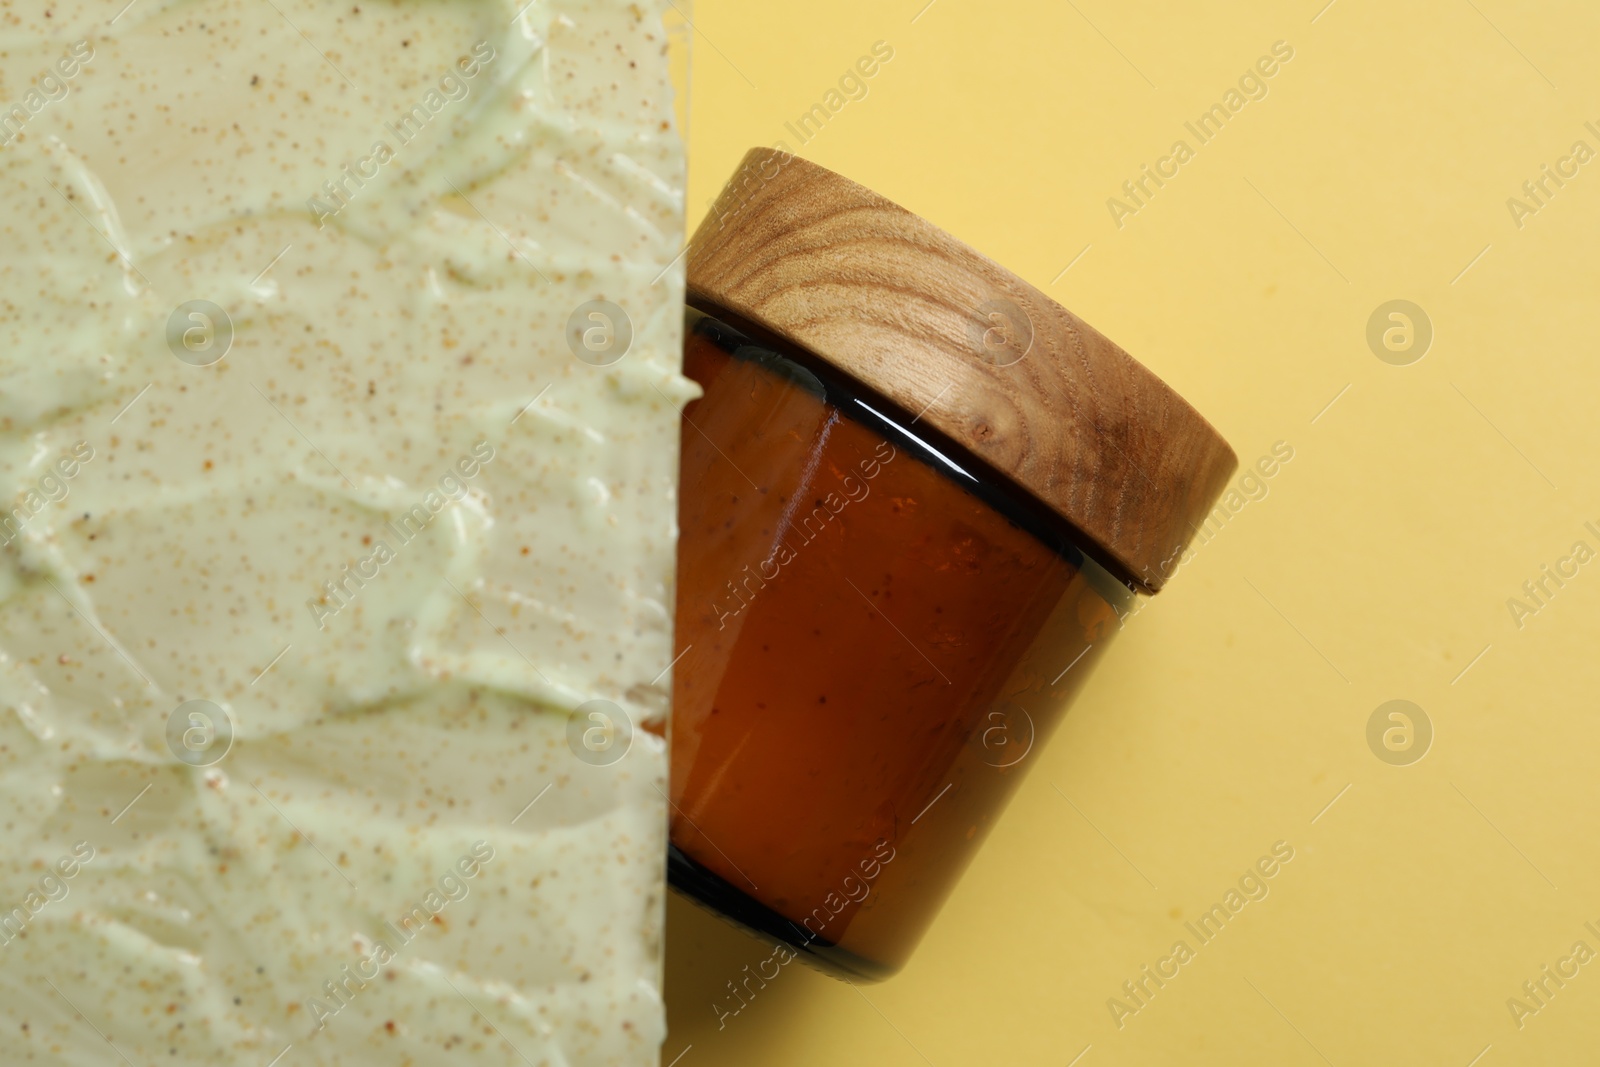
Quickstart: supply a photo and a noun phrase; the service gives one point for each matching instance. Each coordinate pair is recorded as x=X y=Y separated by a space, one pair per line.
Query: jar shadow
x=727 y=988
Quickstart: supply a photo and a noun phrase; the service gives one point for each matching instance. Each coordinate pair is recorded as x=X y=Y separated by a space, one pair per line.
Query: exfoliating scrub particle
x=336 y=582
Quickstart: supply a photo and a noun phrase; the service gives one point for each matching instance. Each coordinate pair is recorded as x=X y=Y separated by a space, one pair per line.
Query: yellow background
x=1234 y=709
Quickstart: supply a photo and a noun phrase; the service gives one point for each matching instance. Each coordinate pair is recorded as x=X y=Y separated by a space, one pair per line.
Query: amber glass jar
x=881 y=622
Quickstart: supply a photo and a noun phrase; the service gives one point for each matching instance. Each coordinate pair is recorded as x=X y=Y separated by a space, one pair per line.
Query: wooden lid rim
x=949 y=336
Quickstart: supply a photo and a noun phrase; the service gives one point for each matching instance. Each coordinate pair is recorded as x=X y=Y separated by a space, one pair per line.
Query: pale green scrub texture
x=391 y=538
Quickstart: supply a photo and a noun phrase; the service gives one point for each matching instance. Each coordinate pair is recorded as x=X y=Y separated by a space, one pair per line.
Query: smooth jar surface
x=877 y=635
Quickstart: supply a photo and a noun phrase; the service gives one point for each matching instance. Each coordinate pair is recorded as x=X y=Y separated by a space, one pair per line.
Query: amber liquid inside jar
x=879 y=632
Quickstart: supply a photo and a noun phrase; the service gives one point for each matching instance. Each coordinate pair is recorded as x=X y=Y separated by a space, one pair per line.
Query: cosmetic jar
x=917 y=496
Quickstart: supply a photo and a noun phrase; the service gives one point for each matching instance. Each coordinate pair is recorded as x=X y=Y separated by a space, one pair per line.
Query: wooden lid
x=811 y=258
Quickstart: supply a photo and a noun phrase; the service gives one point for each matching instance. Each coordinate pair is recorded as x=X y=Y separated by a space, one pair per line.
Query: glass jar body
x=877 y=633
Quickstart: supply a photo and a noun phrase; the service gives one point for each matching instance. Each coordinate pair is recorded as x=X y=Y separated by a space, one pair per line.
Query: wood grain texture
x=990 y=362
